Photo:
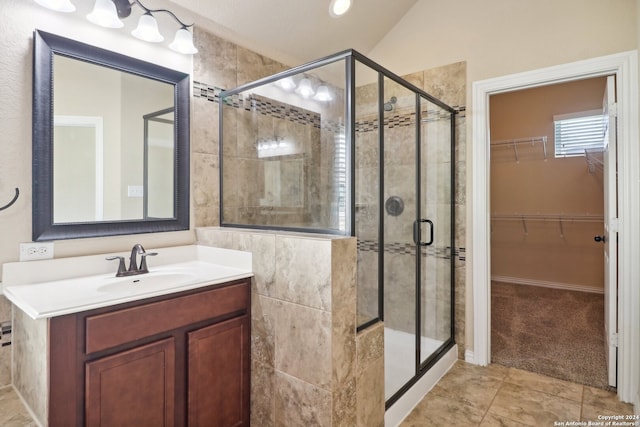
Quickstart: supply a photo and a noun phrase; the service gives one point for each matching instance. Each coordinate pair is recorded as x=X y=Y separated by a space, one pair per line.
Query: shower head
x=391 y=104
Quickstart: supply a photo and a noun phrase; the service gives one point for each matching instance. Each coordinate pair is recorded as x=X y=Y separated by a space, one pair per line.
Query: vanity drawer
x=108 y=330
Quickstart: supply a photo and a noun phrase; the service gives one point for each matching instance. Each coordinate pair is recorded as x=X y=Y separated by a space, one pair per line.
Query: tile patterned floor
x=497 y=396
x=12 y=411
x=468 y=395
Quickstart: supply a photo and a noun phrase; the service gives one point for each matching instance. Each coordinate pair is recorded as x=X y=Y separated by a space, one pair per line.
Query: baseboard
x=27 y=407
x=469 y=357
x=545 y=284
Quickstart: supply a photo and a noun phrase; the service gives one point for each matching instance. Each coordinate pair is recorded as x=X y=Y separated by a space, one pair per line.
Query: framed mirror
x=110 y=143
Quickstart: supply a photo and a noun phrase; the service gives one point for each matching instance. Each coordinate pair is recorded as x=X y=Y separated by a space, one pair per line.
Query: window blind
x=578 y=132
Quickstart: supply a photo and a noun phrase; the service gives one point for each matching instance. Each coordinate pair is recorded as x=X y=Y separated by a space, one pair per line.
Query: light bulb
x=147 y=29
x=57 y=5
x=323 y=94
x=105 y=14
x=183 y=42
x=304 y=88
x=287 y=83
x=339 y=7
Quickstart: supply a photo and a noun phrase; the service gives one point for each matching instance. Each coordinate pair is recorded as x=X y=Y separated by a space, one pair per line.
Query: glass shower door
x=418 y=231
x=399 y=213
x=436 y=257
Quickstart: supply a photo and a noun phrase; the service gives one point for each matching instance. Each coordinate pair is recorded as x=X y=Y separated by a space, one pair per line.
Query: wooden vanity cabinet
x=176 y=360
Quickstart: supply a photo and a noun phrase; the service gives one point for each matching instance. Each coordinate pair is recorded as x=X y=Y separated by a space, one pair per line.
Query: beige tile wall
x=370 y=377
x=5 y=351
x=307 y=366
x=30 y=368
x=223 y=65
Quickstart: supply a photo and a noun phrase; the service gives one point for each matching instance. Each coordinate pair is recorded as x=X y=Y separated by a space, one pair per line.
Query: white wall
x=501 y=37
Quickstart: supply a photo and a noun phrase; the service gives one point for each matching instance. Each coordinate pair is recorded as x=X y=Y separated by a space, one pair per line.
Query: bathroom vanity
x=173 y=351
x=135 y=364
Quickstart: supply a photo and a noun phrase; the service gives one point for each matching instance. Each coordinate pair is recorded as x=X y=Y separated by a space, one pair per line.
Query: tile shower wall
x=308 y=367
x=255 y=189
x=248 y=119
x=218 y=65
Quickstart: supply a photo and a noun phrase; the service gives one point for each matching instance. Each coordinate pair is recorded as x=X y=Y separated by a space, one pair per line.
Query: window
x=575 y=133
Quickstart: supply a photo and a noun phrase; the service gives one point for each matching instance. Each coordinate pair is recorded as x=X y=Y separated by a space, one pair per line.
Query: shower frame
x=351 y=56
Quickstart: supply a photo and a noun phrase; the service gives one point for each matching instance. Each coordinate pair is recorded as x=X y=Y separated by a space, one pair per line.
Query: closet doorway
x=624 y=66
x=547 y=209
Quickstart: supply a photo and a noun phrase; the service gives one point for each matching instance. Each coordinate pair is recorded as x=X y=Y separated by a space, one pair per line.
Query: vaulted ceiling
x=298 y=31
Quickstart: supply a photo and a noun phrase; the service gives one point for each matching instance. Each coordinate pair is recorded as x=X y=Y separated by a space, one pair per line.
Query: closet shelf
x=561 y=219
x=548 y=217
x=514 y=143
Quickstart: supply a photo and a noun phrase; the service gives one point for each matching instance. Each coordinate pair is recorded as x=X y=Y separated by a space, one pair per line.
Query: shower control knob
x=600 y=239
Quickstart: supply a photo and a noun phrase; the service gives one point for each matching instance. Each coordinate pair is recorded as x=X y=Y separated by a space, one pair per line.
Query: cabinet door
x=218 y=389
x=132 y=388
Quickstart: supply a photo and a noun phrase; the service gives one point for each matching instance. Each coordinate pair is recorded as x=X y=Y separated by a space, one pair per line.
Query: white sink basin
x=152 y=281
x=56 y=287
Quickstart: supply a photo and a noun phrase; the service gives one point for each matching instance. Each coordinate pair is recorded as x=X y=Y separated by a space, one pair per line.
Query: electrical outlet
x=135 y=191
x=36 y=250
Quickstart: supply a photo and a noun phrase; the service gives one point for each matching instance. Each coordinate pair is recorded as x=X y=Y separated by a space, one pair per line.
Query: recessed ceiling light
x=339 y=7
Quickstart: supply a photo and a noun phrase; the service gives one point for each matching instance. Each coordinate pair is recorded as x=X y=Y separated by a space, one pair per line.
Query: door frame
x=624 y=66
x=97 y=123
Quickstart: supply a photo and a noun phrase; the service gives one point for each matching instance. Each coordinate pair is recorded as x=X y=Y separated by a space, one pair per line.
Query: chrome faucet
x=134 y=268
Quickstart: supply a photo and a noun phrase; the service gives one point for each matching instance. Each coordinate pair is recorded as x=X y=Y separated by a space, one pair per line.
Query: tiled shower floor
x=470 y=395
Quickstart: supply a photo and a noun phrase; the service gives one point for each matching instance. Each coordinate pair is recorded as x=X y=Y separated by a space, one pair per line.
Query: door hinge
x=613 y=339
x=613 y=109
x=614 y=225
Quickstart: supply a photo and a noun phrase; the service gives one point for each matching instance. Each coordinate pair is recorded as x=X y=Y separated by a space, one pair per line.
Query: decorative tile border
x=443 y=252
x=203 y=90
x=407 y=119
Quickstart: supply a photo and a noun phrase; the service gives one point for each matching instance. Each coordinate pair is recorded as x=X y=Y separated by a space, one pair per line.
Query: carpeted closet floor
x=552 y=332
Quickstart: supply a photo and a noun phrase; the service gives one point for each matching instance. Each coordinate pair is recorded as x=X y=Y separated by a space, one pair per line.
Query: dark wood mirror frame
x=43 y=227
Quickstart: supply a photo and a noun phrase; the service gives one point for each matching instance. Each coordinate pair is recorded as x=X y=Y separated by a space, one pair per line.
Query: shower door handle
x=417 y=232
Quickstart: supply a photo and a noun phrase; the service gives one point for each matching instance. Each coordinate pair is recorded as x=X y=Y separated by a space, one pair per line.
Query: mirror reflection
x=110 y=143
x=159 y=150
x=113 y=144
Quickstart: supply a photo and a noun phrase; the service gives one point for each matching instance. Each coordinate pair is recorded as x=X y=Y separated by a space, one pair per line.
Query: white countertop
x=50 y=288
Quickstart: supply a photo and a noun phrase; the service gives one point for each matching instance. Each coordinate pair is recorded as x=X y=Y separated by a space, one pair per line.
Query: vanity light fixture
x=108 y=13
x=276 y=146
x=57 y=5
x=338 y=8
